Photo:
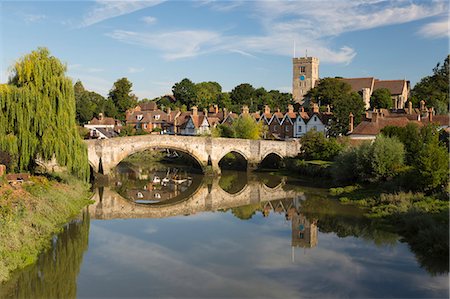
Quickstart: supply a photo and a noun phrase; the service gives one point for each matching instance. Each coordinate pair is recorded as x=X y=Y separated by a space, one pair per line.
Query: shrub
x=387 y=157
x=315 y=146
x=433 y=166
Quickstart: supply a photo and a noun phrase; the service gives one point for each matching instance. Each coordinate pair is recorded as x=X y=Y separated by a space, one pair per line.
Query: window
x=315 y=118
x=156 y=117
x=301 y=235
x=145 y=126
x=275 y=127
x=139 y=117
x=300 y=128
x=287 y=128
x=302 y=69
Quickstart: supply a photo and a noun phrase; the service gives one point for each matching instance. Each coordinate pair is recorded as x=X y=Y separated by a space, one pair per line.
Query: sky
x=158 y=43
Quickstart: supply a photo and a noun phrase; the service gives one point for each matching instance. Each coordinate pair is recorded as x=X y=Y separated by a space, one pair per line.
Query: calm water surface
x=235 y=237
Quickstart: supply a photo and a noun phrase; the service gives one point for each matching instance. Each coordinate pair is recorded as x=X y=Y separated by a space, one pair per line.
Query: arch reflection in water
x=55 y=273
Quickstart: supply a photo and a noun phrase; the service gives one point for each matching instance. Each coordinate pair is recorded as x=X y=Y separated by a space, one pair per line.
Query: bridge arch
x=239 y=156
x=271 y=160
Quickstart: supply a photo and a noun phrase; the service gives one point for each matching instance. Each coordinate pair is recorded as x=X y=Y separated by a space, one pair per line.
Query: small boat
x=165 y=180
x=178 y=180
x=156 y=180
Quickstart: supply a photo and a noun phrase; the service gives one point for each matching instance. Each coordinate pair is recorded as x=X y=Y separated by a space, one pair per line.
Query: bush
x=315 y=146
x=388 y=154
x=433 y=166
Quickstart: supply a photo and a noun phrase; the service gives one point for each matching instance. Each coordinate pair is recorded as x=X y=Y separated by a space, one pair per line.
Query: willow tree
x=37 y=115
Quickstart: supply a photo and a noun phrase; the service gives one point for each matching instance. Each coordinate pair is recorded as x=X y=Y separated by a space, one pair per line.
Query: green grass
x=29 y=216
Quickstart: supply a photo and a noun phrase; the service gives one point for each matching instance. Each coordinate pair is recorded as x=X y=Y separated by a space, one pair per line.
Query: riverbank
x=31 y=213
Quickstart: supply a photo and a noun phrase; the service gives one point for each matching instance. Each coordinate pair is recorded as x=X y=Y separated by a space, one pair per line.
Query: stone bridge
x=108 y=204
x=105 y=154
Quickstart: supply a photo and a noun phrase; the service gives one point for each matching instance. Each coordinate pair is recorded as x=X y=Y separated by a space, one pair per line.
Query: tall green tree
x=185 y=92
x=381 y=98
x=342 y=107
x=37 y=115
x=329 y=90
x=434 y=89
x=243 y=94
x=207 y=93
x=122 y=97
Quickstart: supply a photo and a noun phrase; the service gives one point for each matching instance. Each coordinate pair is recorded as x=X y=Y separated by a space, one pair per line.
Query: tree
x=381 y=98
x=122 y=97
x=315 y=146
x=224 y=100
x=329 y=90
x=343 y=106
x=37 y=115
x=246 y=127
x=433 y=166
x=185 y=92
x=434 y=89
x=207 y=93
x=243 y=94
x=387 y=157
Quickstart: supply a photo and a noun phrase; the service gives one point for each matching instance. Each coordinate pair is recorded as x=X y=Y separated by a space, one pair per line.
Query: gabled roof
x=374 y=127
x=106 y=121
x=395 y=86
x=359 y=84
x=150 y=106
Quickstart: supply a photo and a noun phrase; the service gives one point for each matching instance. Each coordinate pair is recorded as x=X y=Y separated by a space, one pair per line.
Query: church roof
x=395 y=86
x=359 y=84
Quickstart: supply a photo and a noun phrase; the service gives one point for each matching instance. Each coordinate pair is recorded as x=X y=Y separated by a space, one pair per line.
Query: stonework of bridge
x=105 y=154
x=108 y=204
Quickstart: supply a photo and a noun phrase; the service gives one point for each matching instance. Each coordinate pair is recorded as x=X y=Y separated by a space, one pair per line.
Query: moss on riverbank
x=31 y=213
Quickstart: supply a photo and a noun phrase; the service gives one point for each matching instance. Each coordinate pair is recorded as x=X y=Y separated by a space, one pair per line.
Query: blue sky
x=157 y=43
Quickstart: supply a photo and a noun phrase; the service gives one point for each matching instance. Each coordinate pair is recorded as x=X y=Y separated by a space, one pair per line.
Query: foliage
x=30 y=217
x=339 y=94
x=434 y=89
x=315 y=146
x=381 y=98
x=122 y=97
x=387 y=157
x=376 y=161
x=243 y=94
x=433 y=166
x=329 y=90
x=37 y=115
x=246 y=127
x=185 y=92
x=207 y=93
x=343 y=106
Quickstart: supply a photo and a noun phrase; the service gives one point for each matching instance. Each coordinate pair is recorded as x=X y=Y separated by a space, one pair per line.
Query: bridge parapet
x=105 y=154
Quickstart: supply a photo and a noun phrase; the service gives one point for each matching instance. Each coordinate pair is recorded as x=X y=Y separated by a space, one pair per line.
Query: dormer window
x=156 y=117
x=139 y=117
x=315 y=118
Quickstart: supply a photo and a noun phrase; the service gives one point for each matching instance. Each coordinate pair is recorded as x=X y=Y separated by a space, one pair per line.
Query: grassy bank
x=31 y=213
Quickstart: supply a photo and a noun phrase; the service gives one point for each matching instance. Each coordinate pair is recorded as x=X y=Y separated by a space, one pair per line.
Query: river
x=190 y=236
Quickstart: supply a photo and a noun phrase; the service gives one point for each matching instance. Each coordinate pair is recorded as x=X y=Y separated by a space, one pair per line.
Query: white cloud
x=133 y=70
x=149 y=20
x=32 y=18
x=175 y=44
x=104 y=10
x=309 y=23
x=436 y=29
x=224 y=6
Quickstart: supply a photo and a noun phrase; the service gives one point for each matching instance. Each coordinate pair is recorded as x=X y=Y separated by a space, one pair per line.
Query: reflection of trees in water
x=55 y=273
x=246 y=212
x=233 y=181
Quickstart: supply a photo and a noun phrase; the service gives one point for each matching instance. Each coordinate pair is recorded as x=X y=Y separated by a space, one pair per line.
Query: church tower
x=305 y=75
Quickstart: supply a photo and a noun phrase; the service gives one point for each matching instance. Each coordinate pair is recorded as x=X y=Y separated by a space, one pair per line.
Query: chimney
x=422 y=105
x=328 y=109
x=350 y=124
x=266 y=109
x=290 y=109
x=410 y=107
x=302 y=109
x=194 y=111
x=205 y=112
x=245 y=109
x=224 y=112
x=169 y=110
x=367 y=114
x=430 y=114
x=315 y=108
x=375 y=116
x=100 y=116
x=216 y=109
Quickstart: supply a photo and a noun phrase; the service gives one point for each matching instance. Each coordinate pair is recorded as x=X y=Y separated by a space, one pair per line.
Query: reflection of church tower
x=305 y=75
x=304 y=232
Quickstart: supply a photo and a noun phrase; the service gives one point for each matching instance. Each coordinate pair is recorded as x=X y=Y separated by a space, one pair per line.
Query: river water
x=238 y=236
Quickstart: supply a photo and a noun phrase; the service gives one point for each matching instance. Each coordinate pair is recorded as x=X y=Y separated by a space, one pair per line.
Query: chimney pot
x=350 y=125
x=266 y=109
x=194 y=111
x=290 y=108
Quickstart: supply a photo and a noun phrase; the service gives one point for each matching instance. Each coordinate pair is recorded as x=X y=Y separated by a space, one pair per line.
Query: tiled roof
x=374 y=127
x=150 y=106
x=358 y=84
x=394 y=86
x=105 y=121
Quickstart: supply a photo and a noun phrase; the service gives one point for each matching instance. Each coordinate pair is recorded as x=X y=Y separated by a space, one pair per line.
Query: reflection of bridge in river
x=208 y=197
